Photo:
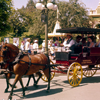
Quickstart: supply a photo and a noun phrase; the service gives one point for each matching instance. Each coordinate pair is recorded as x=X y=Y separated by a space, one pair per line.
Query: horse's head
x=3 y=52
x=8 y=53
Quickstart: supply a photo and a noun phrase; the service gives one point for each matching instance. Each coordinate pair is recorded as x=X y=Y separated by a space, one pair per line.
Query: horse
x=27 y=65
x=9 y=75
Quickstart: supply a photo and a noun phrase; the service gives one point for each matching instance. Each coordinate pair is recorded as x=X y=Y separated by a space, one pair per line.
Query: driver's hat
x=69 y=34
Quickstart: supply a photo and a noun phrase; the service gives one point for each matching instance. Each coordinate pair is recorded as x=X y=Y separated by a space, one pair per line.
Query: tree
x=5 y=11
x=73 y=14
x=28 y=19
x=17 y=23
x=22 y=19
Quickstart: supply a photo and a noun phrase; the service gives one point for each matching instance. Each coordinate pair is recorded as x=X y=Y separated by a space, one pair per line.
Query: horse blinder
x=5 y=56
x=5 y=51
x=2 y=65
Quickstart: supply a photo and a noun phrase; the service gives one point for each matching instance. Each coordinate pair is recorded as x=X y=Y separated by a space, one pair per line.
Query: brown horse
x=26 y=65
x=9 y=75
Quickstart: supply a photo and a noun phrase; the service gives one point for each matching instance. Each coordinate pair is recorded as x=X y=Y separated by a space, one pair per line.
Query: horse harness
x=18 y=58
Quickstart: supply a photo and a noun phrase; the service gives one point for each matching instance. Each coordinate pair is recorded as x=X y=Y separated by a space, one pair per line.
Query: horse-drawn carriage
x=74 y=64
x=77 y=64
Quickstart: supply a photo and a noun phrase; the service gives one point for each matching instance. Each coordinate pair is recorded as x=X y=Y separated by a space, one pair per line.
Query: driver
x=69 y=42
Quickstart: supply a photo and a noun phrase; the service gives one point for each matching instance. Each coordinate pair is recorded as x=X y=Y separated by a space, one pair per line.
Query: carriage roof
x=79 y=30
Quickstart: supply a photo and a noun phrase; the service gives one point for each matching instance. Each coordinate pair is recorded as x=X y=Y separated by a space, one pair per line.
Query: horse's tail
x=48 y=59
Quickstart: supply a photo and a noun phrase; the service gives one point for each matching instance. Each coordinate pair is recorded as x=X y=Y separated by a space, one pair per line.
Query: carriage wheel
x=75 y=74
x=89 y=72
x=44 y=78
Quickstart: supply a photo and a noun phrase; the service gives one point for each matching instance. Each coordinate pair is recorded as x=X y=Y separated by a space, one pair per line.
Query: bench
x=95 y=51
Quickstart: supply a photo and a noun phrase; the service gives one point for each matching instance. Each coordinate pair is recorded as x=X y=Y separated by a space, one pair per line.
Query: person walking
x=31 y=48
x=52 y=50
x=56 y=43
x=15 y=43
x=35 y=46
x=27 y=46
x=43 y=46
x=22 y=46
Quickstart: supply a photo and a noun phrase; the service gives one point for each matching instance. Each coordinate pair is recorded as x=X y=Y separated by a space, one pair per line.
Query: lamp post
x=45 y=5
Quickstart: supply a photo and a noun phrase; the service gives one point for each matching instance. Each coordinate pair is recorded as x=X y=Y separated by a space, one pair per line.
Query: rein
x=50 y=65
x=46 y=65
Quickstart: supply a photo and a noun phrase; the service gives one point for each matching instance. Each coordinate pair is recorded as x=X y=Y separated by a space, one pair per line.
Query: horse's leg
x=35 y=82
x=22 y=86
x=40 y=75
x=47 y=72
x=29 y=77
x=17 y=77
x=7 y=82
x=49 y=79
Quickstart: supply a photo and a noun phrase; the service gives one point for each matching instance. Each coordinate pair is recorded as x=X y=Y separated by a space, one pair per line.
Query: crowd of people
x=68 y=45
x=31 y=48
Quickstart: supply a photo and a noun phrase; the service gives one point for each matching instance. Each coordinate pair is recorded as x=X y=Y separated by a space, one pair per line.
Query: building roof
x=95 y=13
x=55 y=34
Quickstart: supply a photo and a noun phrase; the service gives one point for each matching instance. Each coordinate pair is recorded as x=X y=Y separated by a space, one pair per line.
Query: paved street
x=89 y=89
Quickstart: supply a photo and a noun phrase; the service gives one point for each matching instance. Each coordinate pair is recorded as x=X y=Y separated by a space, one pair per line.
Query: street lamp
x=45 y=5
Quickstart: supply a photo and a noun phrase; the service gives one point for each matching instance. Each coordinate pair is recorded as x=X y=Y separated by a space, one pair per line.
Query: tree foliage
x=28 y=19
x=73 y=14
x=22 y=19
x=5 y=11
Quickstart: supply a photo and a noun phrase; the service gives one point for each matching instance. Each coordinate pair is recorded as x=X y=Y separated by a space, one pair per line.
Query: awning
x=79 y=30
x=56 y=35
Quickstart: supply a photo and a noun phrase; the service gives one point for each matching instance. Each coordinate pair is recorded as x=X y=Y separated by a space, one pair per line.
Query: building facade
x=95 y=14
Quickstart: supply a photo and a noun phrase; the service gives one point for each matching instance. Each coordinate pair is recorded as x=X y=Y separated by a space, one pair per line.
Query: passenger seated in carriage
x=91 y=44
x=91 y=41
x=78 y=45
x=69 y=43
x=98 y=43
x=84 y=43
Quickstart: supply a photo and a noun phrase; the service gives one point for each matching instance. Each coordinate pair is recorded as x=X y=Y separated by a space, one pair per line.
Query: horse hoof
x=15 y=86
x=26 y=88
x=10 y=98
x=12 y=86
x=24 y=94
x=6 y=90
x=36 y=85
x=26 y=85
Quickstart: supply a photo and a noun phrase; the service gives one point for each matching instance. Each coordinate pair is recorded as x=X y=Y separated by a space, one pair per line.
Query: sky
x=91 y=4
